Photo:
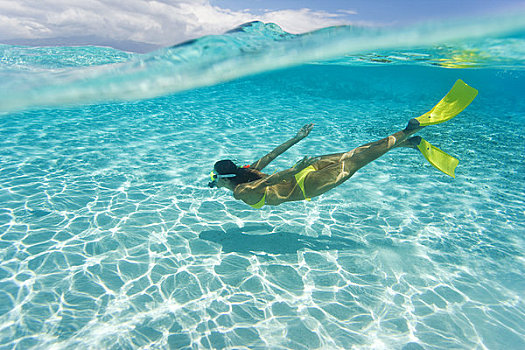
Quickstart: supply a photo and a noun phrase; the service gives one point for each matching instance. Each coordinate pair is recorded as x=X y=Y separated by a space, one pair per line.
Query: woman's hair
x=243 y=175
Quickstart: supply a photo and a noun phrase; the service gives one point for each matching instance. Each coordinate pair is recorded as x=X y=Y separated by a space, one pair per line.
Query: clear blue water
x=110 y=238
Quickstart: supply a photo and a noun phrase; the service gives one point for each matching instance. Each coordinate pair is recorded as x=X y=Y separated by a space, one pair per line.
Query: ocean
x=111 y=239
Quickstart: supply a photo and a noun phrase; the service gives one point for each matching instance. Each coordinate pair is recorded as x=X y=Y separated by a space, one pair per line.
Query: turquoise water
x=110 y=238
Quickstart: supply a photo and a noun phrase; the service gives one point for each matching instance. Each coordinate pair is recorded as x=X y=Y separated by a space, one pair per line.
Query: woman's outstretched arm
x=264 y=161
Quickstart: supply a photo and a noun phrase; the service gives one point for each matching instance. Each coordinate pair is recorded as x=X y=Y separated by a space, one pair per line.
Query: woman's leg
x=335 y=169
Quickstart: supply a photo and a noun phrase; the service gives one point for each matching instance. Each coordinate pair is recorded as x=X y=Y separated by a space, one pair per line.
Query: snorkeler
x=313 y=176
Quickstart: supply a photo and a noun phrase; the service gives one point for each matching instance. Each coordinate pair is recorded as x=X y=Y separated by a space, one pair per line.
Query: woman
x=311 y=177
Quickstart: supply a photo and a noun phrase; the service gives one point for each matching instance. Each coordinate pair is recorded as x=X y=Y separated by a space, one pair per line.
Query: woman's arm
x=264 y=161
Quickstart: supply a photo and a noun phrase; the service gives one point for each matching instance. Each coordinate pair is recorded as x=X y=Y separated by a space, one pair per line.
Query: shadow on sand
x=239 y=241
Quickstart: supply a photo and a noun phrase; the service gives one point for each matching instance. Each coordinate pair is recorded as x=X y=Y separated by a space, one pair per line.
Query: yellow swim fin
x=456 y=100
x=439 y=159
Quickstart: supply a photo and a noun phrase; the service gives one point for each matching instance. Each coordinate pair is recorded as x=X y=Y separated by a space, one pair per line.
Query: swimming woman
x=313 y=176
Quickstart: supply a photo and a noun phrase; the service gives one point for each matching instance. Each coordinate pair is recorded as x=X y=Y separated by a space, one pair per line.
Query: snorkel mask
x=214 y=177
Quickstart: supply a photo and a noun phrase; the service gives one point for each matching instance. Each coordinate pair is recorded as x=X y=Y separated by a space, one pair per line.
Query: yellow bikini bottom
x=299 y=177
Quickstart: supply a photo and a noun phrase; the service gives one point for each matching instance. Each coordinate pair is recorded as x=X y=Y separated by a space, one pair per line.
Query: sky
x=168 y=22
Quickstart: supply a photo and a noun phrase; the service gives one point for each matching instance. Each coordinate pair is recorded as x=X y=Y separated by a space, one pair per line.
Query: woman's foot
x=412 y=142
x=413 y=125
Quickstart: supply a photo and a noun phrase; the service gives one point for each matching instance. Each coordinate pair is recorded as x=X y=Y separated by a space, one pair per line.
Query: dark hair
x=243 y=175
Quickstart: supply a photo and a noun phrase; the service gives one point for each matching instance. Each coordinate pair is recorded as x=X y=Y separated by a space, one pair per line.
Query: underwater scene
x=110 y=237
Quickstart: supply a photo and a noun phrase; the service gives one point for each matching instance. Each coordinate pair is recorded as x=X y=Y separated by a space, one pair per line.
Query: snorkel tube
x=214 y=177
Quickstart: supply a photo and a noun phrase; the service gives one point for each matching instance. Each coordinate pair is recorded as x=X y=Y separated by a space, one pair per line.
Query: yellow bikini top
x=260 y=203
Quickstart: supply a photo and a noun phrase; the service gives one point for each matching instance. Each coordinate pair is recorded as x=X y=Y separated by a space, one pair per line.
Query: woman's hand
x=304 y=131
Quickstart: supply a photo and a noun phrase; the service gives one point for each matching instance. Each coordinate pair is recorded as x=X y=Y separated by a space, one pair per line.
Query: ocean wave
x=30 y=79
